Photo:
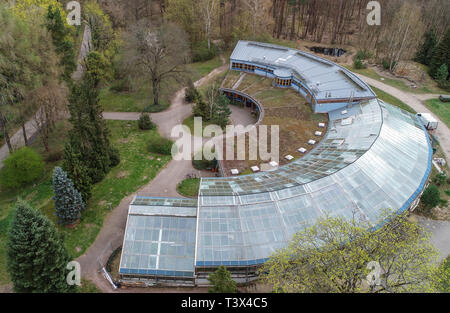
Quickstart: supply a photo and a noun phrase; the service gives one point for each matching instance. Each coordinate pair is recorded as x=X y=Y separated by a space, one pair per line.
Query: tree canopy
x=221 y=281
x=22 y=167
x=340 y=255
x=68 y=201
x=37 y=257
x=157 y=53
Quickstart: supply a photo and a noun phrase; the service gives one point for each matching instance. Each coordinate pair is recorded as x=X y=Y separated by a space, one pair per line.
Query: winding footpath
x=415 y=102
x=163 y=185
x=440 y=230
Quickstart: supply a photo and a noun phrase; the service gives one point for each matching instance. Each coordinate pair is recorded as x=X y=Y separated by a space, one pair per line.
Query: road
x=415 y=102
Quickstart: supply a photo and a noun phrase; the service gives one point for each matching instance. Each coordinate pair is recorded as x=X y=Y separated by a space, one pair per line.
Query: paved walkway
x=164 y=184
x=415 y=102
x=84 y=50
x=17 y=139
x=440 y=231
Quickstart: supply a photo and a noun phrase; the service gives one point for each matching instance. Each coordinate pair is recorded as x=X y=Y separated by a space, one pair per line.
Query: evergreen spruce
x=441 y=55
x=62 y=41
x=442 y=75
x=431 y=197
x=145 y=122
x=221 y=281
x=201 y=109
x=426 y=51
x=222 y=112
x=89 y=136
x=36 y=256
x=77 y=171
x=68 y=201
x=192 y=94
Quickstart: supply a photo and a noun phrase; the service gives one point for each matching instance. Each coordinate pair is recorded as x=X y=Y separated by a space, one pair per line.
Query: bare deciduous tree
x=403 y=35
x=208 y=11
x=51 y=103
x=258 y=10
x=157 y=53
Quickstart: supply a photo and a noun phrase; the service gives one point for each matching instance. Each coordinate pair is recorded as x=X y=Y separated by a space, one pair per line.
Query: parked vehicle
x=444 y=98
x=428 y=121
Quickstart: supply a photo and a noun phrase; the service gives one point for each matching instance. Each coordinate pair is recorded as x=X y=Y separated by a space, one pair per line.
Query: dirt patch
x=123 y=174
x=7 y=288
x=441 y=214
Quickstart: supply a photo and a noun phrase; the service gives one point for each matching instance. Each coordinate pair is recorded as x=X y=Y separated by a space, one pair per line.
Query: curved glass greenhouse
x=374 y=156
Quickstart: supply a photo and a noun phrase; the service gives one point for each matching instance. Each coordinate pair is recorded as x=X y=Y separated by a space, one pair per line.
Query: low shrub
x=160 y=145
x=440 y=179
x=358 y=64
x=192 y=94
x=121 y=85
x=22 y=167
x=386 y=64
x=201 y=53
x=431 y=198
x=54 y=156
x=151 y=108
x=204 y=164
x=363 y=55
x=145 y=122
x=114 y=157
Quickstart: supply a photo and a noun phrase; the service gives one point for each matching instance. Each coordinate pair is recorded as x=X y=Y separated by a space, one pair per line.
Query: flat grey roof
x=322 y=77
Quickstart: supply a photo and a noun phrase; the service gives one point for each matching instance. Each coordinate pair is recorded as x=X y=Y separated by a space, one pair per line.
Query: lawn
x=141 y=97
x=189 y=187
x=429 y=87
x=136 y=101
x=441 y=109
x=392 y=100
x=87 y=287
x=189 y=122
x=137 y=168
x=199 y=69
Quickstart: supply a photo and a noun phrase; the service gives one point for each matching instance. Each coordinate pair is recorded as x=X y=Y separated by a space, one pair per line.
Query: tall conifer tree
x=68 y=201
x=36 y=255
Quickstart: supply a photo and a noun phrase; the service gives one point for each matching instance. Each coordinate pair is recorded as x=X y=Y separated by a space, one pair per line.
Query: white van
x=428 y=121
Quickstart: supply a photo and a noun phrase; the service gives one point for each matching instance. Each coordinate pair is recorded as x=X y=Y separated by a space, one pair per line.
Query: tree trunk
x=24 y=132
x=281 y=19
x=5 y=132
x=294 y=13
x=45 y=142
x=155 y=84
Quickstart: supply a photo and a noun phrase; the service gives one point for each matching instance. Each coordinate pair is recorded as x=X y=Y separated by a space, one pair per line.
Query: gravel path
x=415 y=102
